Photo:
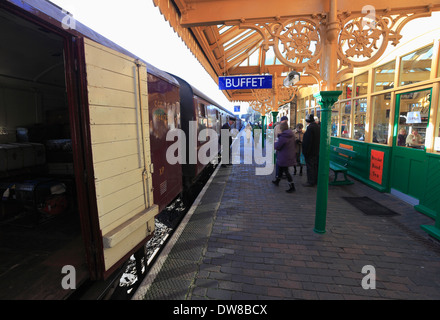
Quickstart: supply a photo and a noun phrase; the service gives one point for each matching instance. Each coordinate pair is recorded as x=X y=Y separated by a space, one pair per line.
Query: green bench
x=339 y=160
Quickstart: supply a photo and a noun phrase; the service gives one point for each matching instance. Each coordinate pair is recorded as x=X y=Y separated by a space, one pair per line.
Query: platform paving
x=246 y=239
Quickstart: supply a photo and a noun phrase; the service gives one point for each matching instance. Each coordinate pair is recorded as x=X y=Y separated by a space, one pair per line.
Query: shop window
x=346 y=87
x=361 y=84
x=307 y=102
x=360 y=112
x=381 y=117
x=346 y=117
x=437 y=132
x=312 y=102
x=301 y=104
x=384 y=76
x=301 y=115
x=334 y=120
x=413 y=119
x=416 y=66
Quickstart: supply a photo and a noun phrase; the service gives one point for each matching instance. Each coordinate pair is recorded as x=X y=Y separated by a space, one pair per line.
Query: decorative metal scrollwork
x=272 y=99
x=297 y=42
x=363 y=40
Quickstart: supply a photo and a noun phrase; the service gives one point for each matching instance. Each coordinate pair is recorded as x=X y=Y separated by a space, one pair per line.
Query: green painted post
x=325 y=99
x=263 y=131
x=274 y=117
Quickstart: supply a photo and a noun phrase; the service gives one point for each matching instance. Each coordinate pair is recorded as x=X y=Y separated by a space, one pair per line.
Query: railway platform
x=246 y=239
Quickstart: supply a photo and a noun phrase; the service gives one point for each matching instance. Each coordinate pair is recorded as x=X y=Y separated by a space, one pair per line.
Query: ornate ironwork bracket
x=271 y=99
x=298 y=42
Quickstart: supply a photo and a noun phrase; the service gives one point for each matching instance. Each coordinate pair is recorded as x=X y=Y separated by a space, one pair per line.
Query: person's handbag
x=302 y=160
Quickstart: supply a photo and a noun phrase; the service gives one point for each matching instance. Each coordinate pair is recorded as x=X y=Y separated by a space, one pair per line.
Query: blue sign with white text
x=245 y=82
x=236 y=108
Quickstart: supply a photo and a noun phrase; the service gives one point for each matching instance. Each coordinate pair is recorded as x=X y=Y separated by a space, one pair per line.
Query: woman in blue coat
x=286 y=154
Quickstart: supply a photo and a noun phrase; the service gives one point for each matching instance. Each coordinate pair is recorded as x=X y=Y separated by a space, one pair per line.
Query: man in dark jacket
x=310 y=149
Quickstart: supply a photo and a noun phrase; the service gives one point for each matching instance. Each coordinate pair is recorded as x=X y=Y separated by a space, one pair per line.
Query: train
x=83 y=142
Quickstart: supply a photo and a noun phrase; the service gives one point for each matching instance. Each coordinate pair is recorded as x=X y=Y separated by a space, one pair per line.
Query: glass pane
x=360 y=112
x=346 y=88
x=437 y=132
x=301 y=104
x=361 y=84
x=381 y=117
x=413 y=119
x=270 y=56
x=254 y=58
x=346 y=114
x=334 y=120
x=384 y=76
x=301 y=115
x=416 y=66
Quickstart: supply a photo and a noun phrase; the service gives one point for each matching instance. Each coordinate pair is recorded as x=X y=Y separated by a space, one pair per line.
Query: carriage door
x=119 y=154
x=408 y=166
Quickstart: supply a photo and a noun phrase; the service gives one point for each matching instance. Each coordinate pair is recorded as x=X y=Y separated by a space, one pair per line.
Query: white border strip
x=154 y=271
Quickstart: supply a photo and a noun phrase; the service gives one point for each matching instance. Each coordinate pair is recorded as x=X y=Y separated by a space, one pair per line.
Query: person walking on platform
x=227 y=126
x=248 y=131
x=277 y=132
x=286 y=156
x=257 y=133
x=299 y=134
x=310 y=149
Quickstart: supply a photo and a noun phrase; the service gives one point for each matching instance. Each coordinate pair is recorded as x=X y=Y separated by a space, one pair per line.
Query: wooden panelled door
x=409 y=161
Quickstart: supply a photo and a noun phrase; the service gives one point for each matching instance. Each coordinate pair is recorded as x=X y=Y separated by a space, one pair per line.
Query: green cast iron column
x=274 y=117
x=325 y=99
x=263 y=131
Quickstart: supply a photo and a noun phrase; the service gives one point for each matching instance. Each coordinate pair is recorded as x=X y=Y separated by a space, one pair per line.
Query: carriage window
x=202 y=110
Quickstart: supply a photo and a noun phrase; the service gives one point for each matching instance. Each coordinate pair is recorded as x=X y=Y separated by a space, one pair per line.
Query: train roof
x=201 y=94
x=55 y=15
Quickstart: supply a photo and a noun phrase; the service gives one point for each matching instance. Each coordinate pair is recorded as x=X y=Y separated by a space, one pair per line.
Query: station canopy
x=255 y=37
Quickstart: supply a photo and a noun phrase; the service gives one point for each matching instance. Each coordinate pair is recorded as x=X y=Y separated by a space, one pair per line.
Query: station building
x=398 y=94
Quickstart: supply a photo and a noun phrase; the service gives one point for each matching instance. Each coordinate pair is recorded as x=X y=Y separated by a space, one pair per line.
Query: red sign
x=376 y=166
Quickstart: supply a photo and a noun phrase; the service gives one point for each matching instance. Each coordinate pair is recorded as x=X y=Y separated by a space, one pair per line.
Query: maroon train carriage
x=164 y=115
x=206 y=113
x=173 y=103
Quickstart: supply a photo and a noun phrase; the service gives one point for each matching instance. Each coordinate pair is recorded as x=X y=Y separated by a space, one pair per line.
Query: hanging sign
x=376 y=166
x=413 y=117
x=245 y=82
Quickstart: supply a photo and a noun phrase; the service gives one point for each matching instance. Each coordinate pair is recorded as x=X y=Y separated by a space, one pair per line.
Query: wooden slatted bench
x=339 y=160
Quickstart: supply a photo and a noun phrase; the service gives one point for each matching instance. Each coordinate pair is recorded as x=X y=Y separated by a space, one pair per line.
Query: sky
x=139 y=27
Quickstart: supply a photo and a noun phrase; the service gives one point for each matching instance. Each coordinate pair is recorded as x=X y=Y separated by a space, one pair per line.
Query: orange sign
x=376 y=166
x=345 y=146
